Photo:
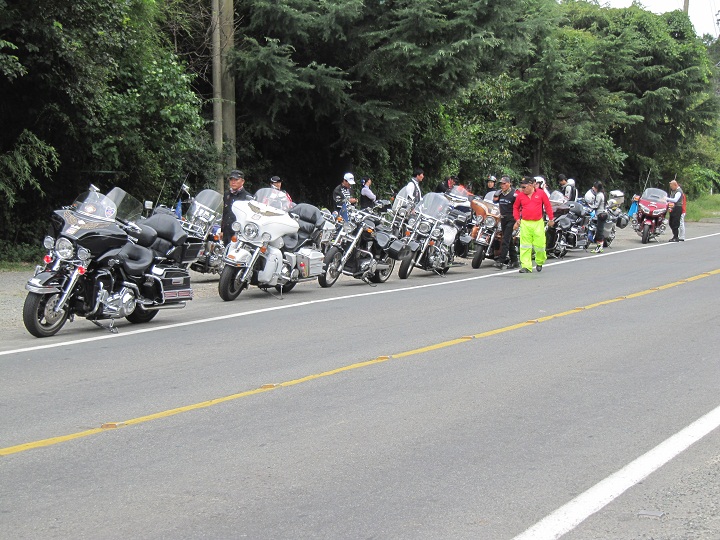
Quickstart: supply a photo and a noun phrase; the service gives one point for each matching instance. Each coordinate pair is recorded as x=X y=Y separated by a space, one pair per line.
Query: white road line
x=569 y=516
x=310 y=302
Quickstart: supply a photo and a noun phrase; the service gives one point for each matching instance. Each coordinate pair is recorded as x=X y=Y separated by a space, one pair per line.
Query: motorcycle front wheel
x=39 y=314
x=407 y=265
x=331 y=264
x=479 y=256
x=645 y=234
x=230 y=285
x=381 y=276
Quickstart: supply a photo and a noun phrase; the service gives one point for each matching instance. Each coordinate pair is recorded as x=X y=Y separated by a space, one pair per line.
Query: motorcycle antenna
x=647 y=179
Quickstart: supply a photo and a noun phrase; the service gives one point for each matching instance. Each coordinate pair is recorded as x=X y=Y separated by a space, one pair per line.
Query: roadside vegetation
x=703 y=207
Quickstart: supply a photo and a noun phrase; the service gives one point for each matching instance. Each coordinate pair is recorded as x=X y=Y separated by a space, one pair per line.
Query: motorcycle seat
x=135 y=259
x=310 y=219
x=170 y=233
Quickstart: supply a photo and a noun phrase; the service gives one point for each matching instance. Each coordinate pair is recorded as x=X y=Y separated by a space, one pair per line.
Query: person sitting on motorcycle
x=236 y=192
x=595 y=199
x=342 y=195
x=505 y=199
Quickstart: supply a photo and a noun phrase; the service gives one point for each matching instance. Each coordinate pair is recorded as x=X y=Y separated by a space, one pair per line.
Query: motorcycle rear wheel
x=331 y=266
x=229 y=286
x=381 y=276
x=141 y=315
x=645 y=234
x=38 y=315
x=407 y=265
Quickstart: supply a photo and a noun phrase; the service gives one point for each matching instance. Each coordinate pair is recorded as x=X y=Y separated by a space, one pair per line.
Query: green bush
x=16 y=253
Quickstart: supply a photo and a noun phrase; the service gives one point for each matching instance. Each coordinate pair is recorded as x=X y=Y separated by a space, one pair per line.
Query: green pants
x=532 y=235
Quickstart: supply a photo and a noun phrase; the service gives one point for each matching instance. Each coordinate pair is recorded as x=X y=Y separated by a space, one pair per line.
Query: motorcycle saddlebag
x=398 y=250
x=175 y=282
x=191 y=250
x=309 y=262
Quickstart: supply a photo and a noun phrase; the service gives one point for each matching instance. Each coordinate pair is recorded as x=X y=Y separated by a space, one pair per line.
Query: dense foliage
x=118 y=92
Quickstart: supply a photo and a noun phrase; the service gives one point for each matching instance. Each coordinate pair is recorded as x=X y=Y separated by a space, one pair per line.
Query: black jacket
x=227 y=216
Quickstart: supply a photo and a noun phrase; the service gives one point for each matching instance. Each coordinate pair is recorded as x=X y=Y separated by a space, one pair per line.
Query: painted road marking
x=274 y=386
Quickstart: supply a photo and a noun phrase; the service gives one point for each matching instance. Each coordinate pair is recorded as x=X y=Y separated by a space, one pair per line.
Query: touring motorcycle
x=360 y=249
x=430 y=237
x=276 y=244
x=615 y=217
x=486 y=232
x=202 y=221
x=102 y=264
x=572 y=220
x=650 y=219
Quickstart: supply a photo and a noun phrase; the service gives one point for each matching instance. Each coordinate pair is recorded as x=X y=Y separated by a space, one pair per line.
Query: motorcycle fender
x=413 y=245
x=237 y=256
x=273 y=265
x=38 y=284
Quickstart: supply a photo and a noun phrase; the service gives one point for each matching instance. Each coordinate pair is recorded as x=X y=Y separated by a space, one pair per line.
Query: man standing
x=412 y=190
x=567 y=187
x=676 y=197
x=342 y=195
x=505 y=199
x=236 y=192
x=528 y=214
x=446 y=185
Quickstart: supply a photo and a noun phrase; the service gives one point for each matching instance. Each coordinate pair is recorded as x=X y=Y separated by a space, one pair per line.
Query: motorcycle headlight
x=424 y=227
x=266 y=237
x=479 y=220
x=83 y=255
x=49 y=242
x=645 y=209
x=437 y=233
x=236 y=226
x=64 y=248
x=250 y=231
x=348 y=227
x=490 y=222
x=658 y=212
x=411 y=223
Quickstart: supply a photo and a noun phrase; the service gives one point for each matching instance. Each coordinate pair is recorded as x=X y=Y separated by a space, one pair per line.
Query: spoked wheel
x=230 y=285
x=142 y=315
x=646 y=233
x=332 y=268
x=39 y=314
x=381 y=276
x=479 y=256
x=407 y=265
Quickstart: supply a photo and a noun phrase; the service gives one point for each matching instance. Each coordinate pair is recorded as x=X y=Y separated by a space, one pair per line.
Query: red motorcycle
x=649 y=221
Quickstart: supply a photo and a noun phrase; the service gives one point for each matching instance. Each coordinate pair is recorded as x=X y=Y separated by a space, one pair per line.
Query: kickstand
x=110 y=328
x=366 y=279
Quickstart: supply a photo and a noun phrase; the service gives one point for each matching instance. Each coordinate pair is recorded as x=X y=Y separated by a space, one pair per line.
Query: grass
x=705 y=206
x=17 y=266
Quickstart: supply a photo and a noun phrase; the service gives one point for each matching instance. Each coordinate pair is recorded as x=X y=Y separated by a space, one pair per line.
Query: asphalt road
x=468 y=406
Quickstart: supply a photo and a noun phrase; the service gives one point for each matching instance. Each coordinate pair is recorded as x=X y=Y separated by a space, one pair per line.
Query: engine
x=119 y=304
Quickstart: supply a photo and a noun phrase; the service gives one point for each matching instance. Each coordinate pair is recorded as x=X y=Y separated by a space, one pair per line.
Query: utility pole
x=687 y=6
x=227 y=43
x=217 y=90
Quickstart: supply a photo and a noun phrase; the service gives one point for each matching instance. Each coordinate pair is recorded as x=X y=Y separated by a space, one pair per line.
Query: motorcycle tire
x=141 y=315
x=407 y=265
x=331 y=267
x=479 y=256
x=381 y=276
x=38 y=315
x=646 y=234
x=286 y=287
x=228 y=287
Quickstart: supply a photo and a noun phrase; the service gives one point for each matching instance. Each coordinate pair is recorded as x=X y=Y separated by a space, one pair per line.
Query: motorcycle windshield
x=116 y=204
x=489 y=196
x=128 y=207
x=274 y=198
x=434 y=205
x=557 y=198
x=459 y=196
x=206 y=206
x=654 y=194
x=401 y=200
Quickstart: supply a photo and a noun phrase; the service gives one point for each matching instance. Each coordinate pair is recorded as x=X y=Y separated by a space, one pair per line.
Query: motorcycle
x=276 y=244
x=430 y=237
x=650 y=219
x=572 y=220
x=202 y=221
x=359 y=249
x=398 y=216
x=615 y=217
x=102 y=264
x=486 y=232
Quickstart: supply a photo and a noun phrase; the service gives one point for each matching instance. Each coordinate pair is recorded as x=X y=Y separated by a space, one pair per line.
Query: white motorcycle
x=275 y=244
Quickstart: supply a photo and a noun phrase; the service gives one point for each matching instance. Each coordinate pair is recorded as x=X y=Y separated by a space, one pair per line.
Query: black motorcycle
x=360 y=249
x=101 y=264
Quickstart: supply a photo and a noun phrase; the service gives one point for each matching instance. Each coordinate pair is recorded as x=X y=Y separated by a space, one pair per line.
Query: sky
x=703 y=13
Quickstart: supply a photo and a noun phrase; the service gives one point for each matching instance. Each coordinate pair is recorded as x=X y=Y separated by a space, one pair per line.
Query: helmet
x=622 y=221
x=491 y=178
x=540 y=180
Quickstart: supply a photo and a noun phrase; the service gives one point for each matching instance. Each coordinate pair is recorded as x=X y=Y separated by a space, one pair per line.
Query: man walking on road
x=528 y=214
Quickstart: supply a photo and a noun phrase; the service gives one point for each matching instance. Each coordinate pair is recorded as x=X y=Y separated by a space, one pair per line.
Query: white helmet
x=539 y=180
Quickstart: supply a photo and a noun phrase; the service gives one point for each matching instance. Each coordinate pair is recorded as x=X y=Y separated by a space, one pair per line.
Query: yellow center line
x=270 y=387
